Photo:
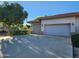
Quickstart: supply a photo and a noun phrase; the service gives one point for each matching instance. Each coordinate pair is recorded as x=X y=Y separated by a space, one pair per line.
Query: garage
x=58 y=29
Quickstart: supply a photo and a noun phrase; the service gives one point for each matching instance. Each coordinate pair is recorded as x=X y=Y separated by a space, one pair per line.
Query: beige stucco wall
x=3 y=27
x=66 y=20
x=36 y=28
x=77 y=24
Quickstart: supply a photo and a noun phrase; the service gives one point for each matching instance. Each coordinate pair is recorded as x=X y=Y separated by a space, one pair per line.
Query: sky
x=47 y=8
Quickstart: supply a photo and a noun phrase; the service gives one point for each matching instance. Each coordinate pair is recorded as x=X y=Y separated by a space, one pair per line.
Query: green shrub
x=75 y=40
x=19 y=29
x=19 y=32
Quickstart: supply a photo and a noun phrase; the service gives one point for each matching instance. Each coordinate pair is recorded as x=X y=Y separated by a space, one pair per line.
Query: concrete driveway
x=37 y=46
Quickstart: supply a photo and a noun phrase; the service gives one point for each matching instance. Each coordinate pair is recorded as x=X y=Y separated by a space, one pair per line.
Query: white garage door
x=57 y=30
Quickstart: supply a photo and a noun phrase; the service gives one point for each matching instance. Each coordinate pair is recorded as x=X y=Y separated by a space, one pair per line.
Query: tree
x=12 y=13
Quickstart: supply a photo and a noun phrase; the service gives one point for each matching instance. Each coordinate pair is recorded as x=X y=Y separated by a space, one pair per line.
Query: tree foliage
x=12 y=13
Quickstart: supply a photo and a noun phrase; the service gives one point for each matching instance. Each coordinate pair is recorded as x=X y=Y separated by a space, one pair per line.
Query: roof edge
x=71 y=14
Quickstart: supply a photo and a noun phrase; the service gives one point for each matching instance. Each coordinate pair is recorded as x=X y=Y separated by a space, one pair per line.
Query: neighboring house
x=3 y=28
x=62 y=24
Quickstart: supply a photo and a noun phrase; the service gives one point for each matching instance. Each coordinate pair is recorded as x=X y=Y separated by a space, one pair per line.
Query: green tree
x=12 y=13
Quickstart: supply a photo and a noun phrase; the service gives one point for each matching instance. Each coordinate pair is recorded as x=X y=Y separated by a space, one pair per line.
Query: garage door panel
x=57 y=30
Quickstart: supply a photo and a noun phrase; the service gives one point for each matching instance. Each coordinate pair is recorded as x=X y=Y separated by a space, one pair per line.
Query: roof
x=34 y=21
x=57 y=16
x=37 y=20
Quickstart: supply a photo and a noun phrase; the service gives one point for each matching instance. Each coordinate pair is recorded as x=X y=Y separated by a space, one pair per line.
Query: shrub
x=75 y=40
x=20 y=30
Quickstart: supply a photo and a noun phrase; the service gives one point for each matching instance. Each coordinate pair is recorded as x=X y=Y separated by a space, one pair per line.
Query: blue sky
x=42 y=8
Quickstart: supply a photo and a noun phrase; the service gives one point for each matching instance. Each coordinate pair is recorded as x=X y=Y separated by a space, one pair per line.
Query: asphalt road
x=36 y=46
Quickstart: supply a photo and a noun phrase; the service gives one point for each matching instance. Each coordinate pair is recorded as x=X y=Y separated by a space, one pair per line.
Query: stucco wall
x=36 y=28
x=3 y=27
x=66 y=20
x=77 y=24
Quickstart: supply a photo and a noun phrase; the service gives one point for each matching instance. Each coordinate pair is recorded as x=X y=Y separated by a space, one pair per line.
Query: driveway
x=37 y=46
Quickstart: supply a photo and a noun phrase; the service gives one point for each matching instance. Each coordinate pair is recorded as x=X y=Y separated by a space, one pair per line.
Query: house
x=62 y=24
x=3 y=29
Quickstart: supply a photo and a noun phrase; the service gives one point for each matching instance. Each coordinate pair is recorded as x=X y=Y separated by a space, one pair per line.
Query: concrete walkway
x=37 y=46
